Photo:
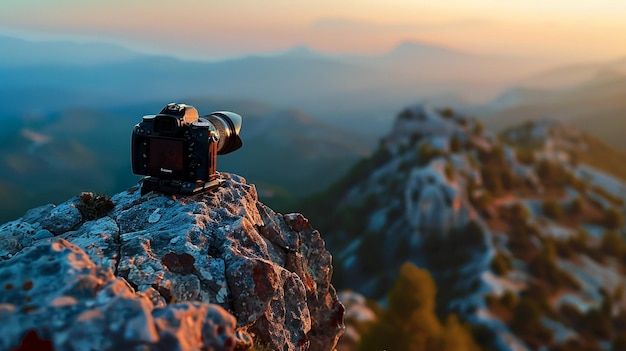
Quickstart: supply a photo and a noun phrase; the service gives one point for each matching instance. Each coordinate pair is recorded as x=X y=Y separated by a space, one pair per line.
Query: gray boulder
x=434 y=204
x=211 y=271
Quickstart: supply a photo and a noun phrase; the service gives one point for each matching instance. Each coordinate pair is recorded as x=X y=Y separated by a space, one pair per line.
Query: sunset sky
x=572 y=30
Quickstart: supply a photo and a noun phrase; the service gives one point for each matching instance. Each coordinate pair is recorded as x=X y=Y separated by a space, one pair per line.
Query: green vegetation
x=425 y=153
x=602 y=156
x=320 y=206
x=580 y=241
x=553 y=174
x=597 y=324
x=445 y=253
x=415 y=319
x=612 y=244
x=524 y=138
x=552 y=209
x=410 y=322
x=352 y=219
x=92 y=206
x=578 y=184
x=613 y=218
x=517 y=213
x=480 y=201
x=479 y=128
x=413 y=140
x=501 y=264
x=509 y=300
x=370 y=252
x=526 y=323
x=446 y=112
x=455 y=144
x=449 y=171
x=363 y=168
x=576 y=206
x=544 y=267
x=453 y=249
x=405 y=114
x=496 y=174
x=520 y=231
x=525 y=156
x=524 y=312
x=615 y=200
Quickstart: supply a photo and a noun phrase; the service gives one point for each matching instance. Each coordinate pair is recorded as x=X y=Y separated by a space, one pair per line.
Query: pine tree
x=410 y=322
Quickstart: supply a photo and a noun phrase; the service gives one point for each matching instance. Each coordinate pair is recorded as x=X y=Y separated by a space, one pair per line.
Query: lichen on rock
x=209 y=271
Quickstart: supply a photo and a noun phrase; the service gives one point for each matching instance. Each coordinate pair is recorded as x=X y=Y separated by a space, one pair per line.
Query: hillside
x=595 y=105
x=353 y=87
x=51 y=157
x=572 y=75
x=522 y=233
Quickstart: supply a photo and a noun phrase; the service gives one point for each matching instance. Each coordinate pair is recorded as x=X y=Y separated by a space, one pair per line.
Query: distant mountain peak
x=301 y=51
x=418 y=48
x=21 y=52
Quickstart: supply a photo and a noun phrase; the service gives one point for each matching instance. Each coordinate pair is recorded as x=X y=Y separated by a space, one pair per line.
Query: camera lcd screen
x=165 y=156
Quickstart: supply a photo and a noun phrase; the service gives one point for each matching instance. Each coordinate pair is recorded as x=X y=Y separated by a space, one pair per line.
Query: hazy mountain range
x=286 y=153
x=68 y=109
x=342 y=89
x=590 y=96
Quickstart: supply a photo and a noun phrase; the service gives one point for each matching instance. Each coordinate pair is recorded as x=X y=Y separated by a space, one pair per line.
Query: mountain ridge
x=316 y=152
x=75 y=52
x=341 y=84
x=504 y=224
x=595 y=105
x=22 y=52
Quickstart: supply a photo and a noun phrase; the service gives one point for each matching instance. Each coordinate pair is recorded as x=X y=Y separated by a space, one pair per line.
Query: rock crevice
x=218 y=257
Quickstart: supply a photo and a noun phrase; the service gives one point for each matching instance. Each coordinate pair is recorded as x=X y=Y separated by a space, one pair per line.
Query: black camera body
x=176 y=149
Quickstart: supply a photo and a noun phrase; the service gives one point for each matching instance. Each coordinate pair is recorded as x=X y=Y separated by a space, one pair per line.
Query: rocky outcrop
x=434 y=204
x=212 y=271
x=358 y=318
x=504 y=225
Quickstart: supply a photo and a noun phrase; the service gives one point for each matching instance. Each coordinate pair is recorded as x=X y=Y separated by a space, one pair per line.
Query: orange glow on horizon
x=584 y=29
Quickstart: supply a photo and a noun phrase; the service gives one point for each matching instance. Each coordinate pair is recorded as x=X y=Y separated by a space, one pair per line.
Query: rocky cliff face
x=215 y=271
x=524 y=238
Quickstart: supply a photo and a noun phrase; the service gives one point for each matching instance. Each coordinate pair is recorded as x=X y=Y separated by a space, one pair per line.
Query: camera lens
x=228 y=125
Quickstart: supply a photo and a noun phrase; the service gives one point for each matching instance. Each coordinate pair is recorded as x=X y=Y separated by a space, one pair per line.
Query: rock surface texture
x=215 y=271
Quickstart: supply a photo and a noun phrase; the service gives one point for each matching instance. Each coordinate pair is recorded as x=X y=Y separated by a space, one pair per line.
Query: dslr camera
x=176 y=149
